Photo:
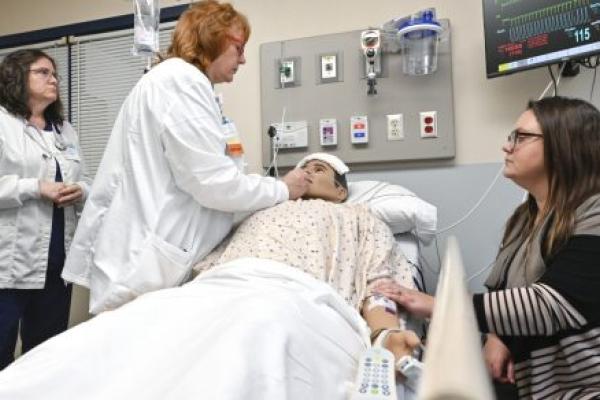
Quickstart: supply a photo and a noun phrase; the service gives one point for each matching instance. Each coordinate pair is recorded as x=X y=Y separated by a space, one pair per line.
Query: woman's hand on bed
x=416 y=303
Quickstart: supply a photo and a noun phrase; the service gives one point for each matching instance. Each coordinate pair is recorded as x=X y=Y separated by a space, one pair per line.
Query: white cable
x=495 y=179
x=487 y=191
x=546 y=90
x=274 y=140
x=550 y=83
x=481 y=271
x=275 y=154
x=79 y=87
x=468 y=214
x=276 y=144
x=485 y=194
x=472 y=210
x=560 y=75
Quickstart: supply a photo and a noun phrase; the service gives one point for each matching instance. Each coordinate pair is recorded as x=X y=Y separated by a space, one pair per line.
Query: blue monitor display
x=525 y=34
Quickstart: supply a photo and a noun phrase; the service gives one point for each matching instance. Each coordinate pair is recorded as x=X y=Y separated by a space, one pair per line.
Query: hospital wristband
x=376 y=333
x=379 y=335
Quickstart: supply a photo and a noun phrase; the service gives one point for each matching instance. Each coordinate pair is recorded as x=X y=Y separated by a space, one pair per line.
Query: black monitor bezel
x=557 y=60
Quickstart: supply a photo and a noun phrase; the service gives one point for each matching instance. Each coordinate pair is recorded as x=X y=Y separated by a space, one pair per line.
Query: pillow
x=400 y=208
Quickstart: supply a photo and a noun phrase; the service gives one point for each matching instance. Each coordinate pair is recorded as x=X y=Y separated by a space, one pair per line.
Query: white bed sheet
x=250 y=329
x=180 y=343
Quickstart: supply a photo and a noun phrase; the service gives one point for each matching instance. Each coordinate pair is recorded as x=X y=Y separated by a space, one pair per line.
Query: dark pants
x=505 y=391
x=42 y=313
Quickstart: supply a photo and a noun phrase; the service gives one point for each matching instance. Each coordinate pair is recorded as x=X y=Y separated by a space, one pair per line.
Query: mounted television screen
x=525 y=34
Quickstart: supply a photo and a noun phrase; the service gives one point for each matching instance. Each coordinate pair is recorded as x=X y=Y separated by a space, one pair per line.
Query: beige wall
x=484 y=109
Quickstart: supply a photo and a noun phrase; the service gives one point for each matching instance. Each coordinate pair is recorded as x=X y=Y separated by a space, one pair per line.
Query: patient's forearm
x=381 y=317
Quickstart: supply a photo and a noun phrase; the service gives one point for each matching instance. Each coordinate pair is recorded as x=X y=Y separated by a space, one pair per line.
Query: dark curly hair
x=14 y=94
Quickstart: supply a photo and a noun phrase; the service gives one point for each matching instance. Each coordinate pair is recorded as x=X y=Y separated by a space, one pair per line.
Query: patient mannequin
x=324 y=182
x=310 y=234
x=327 y=184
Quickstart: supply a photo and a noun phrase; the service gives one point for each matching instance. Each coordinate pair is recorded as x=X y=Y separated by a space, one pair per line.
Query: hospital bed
x=175 y=325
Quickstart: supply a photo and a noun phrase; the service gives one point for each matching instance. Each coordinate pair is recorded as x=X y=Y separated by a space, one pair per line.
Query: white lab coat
x=25 y=218
x=165 y=191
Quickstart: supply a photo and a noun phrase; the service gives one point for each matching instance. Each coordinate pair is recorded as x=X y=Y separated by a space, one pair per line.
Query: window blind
x=103 y=73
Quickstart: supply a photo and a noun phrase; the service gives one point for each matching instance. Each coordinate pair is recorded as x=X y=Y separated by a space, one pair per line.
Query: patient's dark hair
x=341 y=179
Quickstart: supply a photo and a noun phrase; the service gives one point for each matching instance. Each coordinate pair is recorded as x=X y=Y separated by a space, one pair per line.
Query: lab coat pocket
x=74 y=166
x=7 y=233
x=159 y=265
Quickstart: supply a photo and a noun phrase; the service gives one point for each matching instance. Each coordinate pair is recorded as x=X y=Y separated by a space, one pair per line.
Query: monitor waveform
x=506 y=3
x=548 y=19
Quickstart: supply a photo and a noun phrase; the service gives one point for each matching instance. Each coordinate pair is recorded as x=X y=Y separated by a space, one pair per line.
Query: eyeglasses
x=517 y=137
x=46 y=73
x=239 y=44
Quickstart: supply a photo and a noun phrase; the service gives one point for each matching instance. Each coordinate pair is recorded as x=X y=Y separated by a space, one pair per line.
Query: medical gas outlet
x=328 y=67
x=359 y=130
x=428 y=121
x=328 y=131
x=287 y=72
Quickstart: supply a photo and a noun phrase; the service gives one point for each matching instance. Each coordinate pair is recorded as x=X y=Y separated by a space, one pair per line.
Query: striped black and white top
x=553 y=326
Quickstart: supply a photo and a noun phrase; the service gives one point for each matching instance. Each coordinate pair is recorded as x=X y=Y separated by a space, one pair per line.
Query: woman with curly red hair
x=166 y=188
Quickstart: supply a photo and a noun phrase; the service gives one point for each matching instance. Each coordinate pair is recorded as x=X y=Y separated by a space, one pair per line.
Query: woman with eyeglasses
x=169 y=183
x=42 y=190
x=542 y=311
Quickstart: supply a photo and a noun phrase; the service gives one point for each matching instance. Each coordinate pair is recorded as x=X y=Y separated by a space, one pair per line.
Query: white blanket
x=250 y=329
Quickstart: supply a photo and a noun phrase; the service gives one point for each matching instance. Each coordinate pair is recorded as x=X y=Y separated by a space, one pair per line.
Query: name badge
x=229 y=130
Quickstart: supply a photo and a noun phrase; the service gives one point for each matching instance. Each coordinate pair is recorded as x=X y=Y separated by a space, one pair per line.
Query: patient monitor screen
x=524 y=34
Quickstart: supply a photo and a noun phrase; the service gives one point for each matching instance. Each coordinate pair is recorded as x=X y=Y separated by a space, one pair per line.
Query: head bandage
x=333 y=161
x=339 y=168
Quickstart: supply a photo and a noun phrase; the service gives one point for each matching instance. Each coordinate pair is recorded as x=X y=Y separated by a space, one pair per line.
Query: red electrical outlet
x=428 y=122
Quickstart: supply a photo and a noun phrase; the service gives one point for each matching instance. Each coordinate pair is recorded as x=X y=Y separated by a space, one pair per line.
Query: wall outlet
x=428 y=122
x=395 y=127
